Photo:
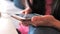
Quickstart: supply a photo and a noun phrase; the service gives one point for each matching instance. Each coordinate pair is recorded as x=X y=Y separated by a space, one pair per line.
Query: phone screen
x=26 y=17
x=23 y=17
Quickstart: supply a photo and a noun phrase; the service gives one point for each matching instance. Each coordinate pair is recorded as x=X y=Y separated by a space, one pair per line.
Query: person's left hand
x=46 y=20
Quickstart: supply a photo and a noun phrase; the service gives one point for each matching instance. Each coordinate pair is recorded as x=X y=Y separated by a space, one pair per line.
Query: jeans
x=42 y=30
x=18 y=4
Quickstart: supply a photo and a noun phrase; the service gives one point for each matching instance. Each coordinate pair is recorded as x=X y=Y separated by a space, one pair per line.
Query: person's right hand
x=26 y=11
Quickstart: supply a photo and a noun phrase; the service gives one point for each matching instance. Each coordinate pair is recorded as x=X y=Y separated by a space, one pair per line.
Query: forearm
x=56 y=24
x=23 y=2
x=27 y=4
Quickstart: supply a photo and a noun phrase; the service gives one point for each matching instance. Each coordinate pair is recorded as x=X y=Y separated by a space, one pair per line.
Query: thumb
x=26 y=12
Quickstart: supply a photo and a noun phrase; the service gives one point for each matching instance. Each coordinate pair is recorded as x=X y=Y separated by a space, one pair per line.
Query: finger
x=23 y=12
x=36 y=18
x=27 y=12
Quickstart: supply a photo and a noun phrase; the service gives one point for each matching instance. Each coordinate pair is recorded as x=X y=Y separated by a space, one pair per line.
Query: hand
x=46 y=20
x=26 y=11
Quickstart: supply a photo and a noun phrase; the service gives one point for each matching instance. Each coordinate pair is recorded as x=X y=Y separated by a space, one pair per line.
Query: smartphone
x=26 y=17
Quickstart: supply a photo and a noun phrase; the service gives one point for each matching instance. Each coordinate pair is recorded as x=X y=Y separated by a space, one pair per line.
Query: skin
x=46 y=20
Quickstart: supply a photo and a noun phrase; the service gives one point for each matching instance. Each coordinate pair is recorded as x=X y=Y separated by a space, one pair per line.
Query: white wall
x=9 y=7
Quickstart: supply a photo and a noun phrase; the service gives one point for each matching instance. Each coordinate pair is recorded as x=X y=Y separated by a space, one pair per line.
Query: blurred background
x=8 y=6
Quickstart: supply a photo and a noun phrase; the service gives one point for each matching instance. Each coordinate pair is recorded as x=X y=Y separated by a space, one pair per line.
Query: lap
x=42 y=30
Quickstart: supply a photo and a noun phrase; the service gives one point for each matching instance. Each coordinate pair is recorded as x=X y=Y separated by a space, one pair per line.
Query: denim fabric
x=18 y=4
x=31 y=30
x=42 y=30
